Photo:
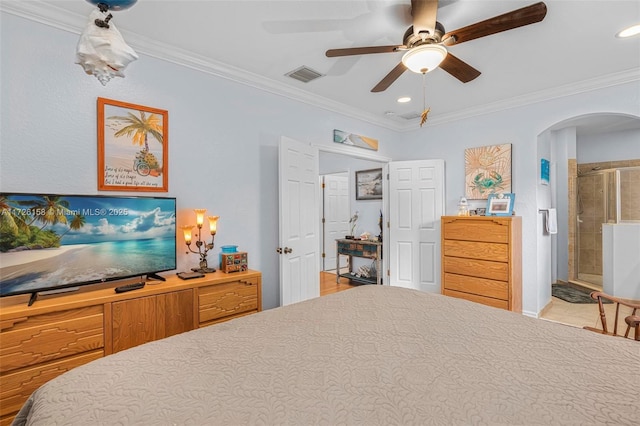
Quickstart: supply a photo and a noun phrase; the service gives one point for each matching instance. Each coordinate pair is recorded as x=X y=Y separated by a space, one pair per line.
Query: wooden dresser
x=482 y=259
x=58 y=333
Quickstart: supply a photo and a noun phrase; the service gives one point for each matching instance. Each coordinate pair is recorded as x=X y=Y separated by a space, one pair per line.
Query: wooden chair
x=632 y=320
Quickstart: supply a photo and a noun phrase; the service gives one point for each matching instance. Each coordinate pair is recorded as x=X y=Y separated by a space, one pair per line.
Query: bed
x=372 y=355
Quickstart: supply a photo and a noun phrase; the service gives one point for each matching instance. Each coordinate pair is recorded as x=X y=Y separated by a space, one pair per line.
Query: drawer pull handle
x=12 y=322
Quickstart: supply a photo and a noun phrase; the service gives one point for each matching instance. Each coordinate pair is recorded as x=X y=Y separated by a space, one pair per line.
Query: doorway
x=414 y=261
x=339 y=203
x=580 y=148
x=412 y=202
x=592 y=209
x=607 y=193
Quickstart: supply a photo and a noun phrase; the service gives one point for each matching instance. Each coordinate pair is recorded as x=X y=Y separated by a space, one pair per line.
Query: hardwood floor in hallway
x=328 y=284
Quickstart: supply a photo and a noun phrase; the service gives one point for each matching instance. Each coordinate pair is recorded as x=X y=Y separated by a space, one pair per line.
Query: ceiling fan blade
x=508 y=21
x=424 y=16
x=390 y=78
x=331 y=53
x=459 y=69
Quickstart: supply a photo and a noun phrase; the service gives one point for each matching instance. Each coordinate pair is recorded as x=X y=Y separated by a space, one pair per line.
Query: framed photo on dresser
x=500 y=204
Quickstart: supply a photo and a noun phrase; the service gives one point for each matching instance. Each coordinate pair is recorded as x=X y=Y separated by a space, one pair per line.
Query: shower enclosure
x=609 y=195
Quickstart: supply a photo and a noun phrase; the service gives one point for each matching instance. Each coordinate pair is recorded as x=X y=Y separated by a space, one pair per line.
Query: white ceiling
x=573 y=49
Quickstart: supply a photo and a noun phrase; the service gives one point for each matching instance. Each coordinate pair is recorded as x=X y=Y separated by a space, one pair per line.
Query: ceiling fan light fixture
x=629 y=32
x=424 y=58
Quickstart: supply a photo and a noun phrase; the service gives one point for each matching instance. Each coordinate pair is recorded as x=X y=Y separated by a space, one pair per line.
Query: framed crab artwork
x=487 y=171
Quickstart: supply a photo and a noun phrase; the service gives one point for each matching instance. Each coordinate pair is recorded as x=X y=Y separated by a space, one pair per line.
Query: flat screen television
x=50 y=241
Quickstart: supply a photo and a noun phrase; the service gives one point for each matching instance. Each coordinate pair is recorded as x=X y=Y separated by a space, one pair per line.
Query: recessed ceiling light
x=404 y=99
x=629 y=32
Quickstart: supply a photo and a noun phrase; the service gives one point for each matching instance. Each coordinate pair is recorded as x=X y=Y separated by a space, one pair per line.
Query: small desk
x=359 y=248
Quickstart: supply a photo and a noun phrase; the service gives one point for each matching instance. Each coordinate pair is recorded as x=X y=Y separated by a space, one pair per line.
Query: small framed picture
x=369 y=184
x=544 y=171
x=500 y=204
x=481 y=211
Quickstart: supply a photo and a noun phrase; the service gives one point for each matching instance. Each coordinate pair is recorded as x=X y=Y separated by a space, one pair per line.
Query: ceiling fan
x=426 y=41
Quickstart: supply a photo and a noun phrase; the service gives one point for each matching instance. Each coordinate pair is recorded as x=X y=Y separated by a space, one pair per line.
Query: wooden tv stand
x=60 y=332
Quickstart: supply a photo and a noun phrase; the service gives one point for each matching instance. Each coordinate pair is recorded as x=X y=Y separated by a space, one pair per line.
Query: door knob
x=287 y=250
x=279 y=250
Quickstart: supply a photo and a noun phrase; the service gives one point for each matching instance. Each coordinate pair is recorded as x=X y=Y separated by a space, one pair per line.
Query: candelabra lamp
x=202 y=246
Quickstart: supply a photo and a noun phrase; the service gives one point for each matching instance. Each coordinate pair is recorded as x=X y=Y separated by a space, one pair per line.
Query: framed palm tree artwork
x=132 y=147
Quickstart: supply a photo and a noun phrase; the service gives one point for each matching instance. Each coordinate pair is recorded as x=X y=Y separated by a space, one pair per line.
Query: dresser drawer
x=18 y=385
x=496 y=303
x=227 y=299
x=51 y=336
x=480 y=286
x=358 y=249
x=476 y=250
x=480 y=229
x=476 y=268
x=482 y=259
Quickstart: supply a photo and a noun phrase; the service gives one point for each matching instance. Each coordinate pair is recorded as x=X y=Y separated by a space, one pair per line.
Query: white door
x=299 y=205
x=336 y=216
x=416 y=202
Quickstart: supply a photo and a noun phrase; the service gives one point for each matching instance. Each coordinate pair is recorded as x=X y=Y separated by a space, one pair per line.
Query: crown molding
x=229 y=72
x=44 y=13
x=583 y=86
x=48 y=14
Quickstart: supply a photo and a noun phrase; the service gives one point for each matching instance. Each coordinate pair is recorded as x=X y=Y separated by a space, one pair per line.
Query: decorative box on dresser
x=482 y=259
x=58 y=333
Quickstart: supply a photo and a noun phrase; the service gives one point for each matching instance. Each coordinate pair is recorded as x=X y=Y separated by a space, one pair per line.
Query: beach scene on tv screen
x=48 y=241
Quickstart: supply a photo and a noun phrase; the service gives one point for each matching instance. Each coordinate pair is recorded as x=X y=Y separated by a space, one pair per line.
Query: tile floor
x=583 y=314
x=576 y=314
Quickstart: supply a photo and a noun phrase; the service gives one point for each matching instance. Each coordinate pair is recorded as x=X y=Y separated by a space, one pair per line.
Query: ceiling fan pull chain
x=425 y=110
x=424 y=91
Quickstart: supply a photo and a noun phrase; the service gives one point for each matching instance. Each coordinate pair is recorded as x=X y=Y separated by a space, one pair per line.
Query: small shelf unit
x=359 y=248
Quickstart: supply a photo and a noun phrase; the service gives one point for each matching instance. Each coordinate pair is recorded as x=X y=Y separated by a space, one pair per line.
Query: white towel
x=552 y=221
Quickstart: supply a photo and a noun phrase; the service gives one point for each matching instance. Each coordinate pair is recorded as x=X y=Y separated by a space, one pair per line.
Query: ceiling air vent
x=304 y=74
x=410 y=115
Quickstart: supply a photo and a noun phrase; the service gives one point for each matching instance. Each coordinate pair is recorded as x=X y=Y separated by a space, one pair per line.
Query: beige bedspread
x=373 y=355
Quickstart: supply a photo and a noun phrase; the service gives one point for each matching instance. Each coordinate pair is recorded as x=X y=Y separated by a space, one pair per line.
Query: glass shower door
x=595 y=207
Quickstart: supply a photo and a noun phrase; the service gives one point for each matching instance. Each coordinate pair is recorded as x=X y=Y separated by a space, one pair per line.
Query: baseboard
x=586 y=284
x=546 y=309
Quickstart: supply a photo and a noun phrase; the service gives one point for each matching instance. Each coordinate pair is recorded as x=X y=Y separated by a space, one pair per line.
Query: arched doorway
x=581 y=149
